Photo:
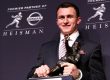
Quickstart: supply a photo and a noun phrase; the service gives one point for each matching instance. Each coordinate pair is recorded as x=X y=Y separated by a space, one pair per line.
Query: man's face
x=67 y=20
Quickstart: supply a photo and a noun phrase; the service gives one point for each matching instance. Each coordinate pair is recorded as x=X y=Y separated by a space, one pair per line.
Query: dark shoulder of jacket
x=55 y=39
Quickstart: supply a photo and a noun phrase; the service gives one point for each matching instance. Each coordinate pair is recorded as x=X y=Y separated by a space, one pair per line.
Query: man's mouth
x=66 y=25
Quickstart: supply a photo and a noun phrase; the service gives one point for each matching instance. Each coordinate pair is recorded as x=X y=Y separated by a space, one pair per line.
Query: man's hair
x=68 y=4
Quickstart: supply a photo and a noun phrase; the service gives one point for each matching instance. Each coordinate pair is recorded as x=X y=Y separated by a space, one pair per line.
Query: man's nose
x=65 y=20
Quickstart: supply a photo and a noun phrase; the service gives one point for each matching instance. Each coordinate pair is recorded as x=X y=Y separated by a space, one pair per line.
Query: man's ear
x=79 y=20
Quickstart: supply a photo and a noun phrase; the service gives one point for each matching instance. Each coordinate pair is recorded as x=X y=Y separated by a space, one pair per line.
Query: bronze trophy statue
x=72 y=56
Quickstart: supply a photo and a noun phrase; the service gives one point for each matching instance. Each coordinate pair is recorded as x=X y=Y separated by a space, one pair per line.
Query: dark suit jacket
x=90 y=63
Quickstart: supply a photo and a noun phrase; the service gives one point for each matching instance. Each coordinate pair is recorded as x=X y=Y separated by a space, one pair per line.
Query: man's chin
x=66 y=33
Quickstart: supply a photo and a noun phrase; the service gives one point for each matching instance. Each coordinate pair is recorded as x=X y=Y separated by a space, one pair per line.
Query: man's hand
x=42 y=71
x=70 y=69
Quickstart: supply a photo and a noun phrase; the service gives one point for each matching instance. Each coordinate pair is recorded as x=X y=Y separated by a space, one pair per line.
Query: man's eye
x=70 y=16
x=61 y=17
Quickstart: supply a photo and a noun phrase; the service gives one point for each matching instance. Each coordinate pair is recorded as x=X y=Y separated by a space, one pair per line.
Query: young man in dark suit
x=89 y=66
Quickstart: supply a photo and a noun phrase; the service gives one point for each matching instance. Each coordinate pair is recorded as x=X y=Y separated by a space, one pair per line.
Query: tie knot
x=66 y=41
x=66 y=37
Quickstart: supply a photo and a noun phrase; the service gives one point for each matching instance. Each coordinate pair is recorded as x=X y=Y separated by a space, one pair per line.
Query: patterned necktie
x=62 y=48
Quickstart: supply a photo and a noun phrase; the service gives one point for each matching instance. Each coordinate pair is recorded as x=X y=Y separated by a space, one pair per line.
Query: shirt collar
x=74 y=36
x=71 y=37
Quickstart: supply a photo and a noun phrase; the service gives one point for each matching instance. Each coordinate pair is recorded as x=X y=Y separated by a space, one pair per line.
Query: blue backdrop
x=26 y=24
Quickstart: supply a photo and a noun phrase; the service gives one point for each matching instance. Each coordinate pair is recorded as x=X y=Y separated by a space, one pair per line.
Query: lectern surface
x=53 y=78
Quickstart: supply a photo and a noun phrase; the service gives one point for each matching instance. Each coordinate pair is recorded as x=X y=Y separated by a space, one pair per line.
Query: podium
x=54 y=78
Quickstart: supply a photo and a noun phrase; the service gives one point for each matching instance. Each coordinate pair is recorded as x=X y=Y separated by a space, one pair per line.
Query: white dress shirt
x=72 y=38
x=71 y=41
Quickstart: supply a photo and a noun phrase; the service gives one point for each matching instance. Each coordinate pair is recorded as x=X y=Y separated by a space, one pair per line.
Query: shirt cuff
x=80 y=75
